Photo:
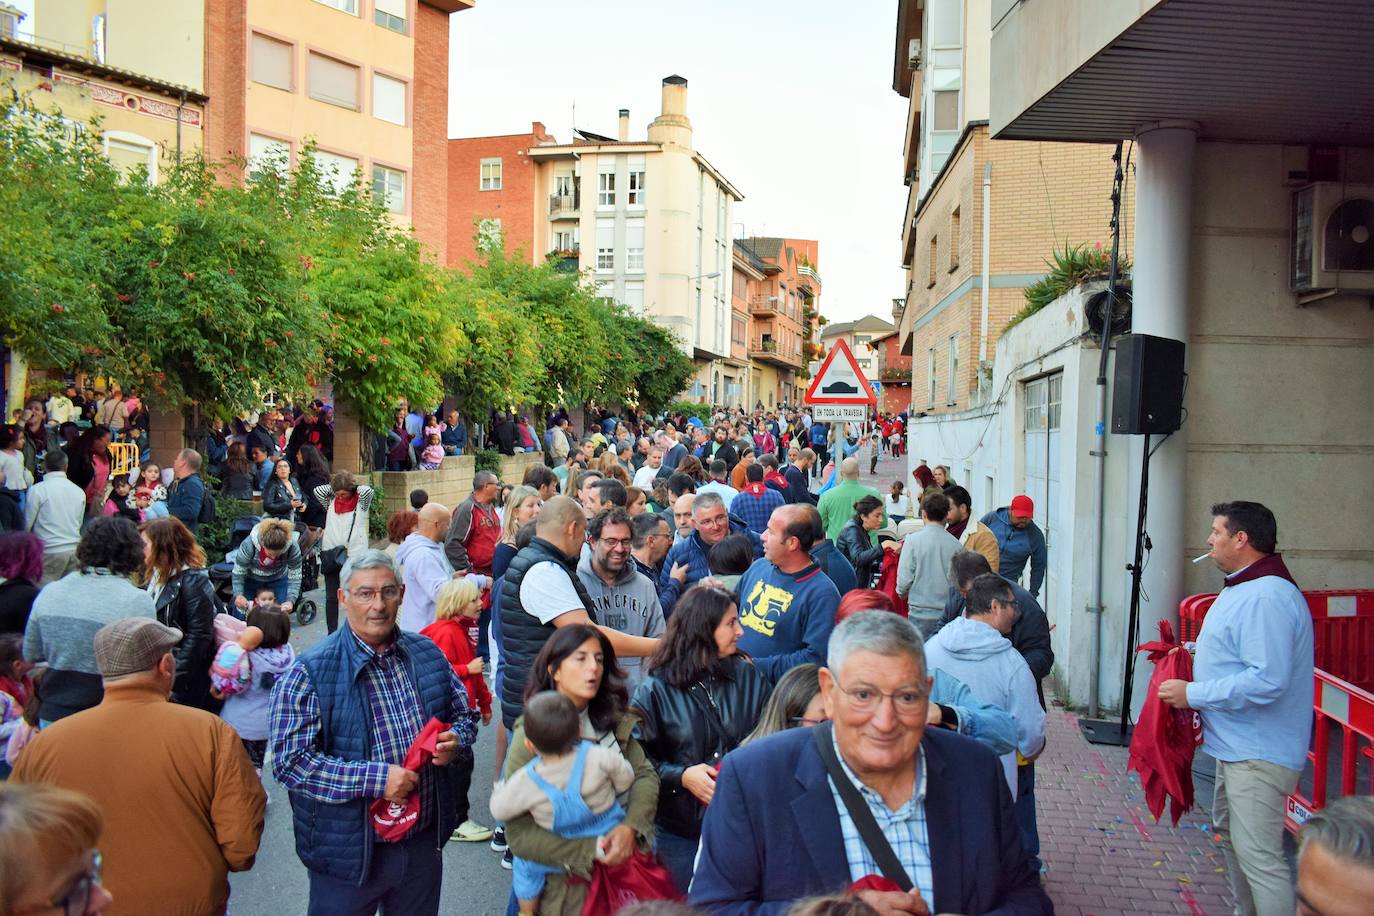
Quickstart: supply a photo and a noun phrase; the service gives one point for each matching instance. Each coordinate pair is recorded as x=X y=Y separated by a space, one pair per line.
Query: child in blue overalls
x=570 y=788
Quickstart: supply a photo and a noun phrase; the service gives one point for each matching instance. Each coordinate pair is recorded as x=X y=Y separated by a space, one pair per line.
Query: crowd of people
x=722 y=663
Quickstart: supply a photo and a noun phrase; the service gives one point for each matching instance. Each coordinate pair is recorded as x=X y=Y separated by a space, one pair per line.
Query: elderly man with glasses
x=342 y=720
x=919 y=815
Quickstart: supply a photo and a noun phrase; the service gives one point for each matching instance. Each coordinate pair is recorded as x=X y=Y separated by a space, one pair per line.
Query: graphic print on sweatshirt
x=763 y=607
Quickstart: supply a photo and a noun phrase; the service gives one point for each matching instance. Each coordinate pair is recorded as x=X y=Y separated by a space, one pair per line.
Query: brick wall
x=513 y=204
x=429 y=135
x=1042 y=195
x=226 y=56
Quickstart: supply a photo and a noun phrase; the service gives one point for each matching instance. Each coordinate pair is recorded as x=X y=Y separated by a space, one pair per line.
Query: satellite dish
x=1096 y=308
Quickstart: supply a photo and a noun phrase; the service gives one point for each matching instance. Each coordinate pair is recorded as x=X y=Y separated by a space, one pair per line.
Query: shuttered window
x=270 y=62
x=333 y=81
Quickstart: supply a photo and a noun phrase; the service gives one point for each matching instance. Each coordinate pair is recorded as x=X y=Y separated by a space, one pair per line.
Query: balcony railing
x=764 y=305
x=561 y=205
x=766 y=345
x=806 y=270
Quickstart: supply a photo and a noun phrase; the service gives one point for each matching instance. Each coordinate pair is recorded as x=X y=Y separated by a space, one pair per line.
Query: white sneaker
x=470 y=831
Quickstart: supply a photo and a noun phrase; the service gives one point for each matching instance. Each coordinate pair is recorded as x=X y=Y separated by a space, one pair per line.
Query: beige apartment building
x=982 y=215
x=649 y=220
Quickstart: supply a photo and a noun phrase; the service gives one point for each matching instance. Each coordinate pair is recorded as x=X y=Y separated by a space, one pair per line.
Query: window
x=491 y=174
x=267 y=154
x=389 y=187
x=946 y=110
x=563 y=186
x=954 y=239
x=390 y=14
x=952 y=360
x=565 y=240
x=946 y=27
x=269 y=62
x=346 y=6
x=934 y=253
x=333 y=81
x=1056 y=394
x=336 y=172
x=388 y=99
x=634 y=244
x=634 y=295
x=635 y=191
x=488 y=233
x=930 y=377
x=129 y=152
x=739 y=329
x=605 y=244
x=605 y=189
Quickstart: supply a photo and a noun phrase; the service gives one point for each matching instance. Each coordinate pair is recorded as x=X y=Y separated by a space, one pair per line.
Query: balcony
x=563 y=206
x=764 y=306
x=768 y=350
x=807 y=271
x=566 y=259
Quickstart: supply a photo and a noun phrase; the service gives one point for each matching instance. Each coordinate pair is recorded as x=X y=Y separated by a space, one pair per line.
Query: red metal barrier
x=1343 y=649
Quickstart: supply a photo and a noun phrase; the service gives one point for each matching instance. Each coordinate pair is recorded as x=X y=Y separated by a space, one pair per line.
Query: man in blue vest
x=342 y=720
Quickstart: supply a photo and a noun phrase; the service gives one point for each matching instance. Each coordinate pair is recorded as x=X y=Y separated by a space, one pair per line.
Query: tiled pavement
x=1104 y=854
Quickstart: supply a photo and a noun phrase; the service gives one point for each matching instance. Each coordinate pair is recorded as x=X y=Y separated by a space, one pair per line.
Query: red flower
x=152 y=263
x=189 y=274
x=200 y=202
x=269 y=342
x=123 y=297
x=56 y=307
x=162 y=376
x=372 y=358
x=290 y=334
x=386 y=342
x=232 y=272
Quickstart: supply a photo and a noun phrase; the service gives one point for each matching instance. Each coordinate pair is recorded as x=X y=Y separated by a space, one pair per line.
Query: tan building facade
x=983 y=216
x=783 y=305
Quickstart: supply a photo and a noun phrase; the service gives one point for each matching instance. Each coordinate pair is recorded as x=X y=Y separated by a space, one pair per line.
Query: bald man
x=837 y=503
x=424 y=567
x=683 y=525
x=542 y=593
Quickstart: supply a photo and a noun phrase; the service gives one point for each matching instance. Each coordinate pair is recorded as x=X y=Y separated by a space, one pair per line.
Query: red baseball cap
x=1022 y=507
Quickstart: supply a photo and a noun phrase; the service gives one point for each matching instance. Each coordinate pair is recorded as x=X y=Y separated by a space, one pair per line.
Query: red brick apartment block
x=471 y=199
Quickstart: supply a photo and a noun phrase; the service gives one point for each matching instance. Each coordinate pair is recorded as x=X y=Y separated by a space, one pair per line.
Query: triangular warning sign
x=840 y=381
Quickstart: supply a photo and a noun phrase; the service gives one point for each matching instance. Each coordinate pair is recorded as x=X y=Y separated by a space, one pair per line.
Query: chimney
x=673 y=126
x=624 y=125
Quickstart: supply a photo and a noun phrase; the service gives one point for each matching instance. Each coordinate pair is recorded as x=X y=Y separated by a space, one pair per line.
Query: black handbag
x=332 y=560
x=869 y=832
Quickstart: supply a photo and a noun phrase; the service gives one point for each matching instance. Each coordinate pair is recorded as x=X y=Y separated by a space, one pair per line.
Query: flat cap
x=132 y=645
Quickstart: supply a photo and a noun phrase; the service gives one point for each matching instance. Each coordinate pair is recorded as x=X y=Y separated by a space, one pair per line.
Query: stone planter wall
x=450 y=484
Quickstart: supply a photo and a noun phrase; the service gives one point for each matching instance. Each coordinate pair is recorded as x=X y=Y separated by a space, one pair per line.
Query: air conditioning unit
x=1333 y=238
x=913 y=53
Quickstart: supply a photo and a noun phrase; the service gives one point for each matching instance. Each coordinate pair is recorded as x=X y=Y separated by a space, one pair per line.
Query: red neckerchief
x=775 y=477
x=756 y=489
x=266 y=560
x=1268 y=565
x=21 y=690
x=345 y=502
x=958 y=530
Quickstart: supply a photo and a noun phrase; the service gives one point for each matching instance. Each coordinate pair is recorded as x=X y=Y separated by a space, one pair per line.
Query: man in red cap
x=1019 y=539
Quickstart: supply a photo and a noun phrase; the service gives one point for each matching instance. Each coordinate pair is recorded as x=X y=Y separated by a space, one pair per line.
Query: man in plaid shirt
x=342 y=720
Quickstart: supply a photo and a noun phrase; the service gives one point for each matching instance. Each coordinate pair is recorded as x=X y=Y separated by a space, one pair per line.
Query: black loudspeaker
x=1147 y=390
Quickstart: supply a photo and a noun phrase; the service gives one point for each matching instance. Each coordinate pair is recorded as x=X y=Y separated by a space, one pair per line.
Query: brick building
x=783 y=305
x=491 y=190
x=982 y=215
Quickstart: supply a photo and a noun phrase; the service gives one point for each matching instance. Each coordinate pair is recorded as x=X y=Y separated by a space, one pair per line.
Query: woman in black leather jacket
x=857 y=545
x=174 y=569
x=283 y=497
x=700 y=699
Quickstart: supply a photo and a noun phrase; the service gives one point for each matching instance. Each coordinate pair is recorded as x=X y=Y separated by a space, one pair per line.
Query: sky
x=792 y=101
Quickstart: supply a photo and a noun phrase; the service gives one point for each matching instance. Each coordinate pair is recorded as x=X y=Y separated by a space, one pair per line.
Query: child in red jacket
x=456 y=609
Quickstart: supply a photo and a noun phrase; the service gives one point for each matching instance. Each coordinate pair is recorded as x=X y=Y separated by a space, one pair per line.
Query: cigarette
x=1203 y=557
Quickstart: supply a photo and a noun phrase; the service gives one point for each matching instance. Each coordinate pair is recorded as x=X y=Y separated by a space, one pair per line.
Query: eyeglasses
x=867 y=699
x=368 y=595
x=615 y=543
x=77 y=899
x=804 y=721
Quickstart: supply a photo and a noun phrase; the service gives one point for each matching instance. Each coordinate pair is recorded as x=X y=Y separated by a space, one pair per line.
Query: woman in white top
x=897 y=503
x=346 y=505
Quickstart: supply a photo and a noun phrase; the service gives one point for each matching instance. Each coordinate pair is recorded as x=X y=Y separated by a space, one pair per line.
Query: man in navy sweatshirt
x=787 y=603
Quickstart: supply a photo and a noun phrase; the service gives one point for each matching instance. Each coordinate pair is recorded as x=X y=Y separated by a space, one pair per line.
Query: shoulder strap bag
x=869 y=832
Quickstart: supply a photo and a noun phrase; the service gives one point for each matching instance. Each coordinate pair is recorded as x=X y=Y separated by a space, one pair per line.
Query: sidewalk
x=1103 y=853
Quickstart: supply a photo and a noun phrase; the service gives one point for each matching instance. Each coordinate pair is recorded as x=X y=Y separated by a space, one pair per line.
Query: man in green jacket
x=837 y=503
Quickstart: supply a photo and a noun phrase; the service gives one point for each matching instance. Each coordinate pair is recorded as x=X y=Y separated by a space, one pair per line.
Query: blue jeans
x=404 y=880
x=679 y=855
x=1025 y=812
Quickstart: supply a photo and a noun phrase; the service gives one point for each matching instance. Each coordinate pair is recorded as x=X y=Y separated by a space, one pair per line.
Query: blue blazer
x=772 y=832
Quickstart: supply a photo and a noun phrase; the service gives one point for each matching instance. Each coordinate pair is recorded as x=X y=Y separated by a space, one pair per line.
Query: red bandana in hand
x=391 y=820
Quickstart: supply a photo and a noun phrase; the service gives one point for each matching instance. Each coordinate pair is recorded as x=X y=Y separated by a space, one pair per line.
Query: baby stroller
x=306 y=609
x=222 y=574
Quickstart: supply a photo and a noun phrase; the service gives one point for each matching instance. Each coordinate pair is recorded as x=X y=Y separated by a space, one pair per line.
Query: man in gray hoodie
x=425 y=567
x=923 y=570
x=625 y=599
x=975 y=649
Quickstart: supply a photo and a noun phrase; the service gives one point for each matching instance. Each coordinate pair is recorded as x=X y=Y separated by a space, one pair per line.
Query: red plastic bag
x=887 y=581
x=642 y=877
x=393 y=821
x=1165 y=738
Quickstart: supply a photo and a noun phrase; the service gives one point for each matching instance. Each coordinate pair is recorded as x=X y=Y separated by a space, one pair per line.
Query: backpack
x=207 y=508
x=231 y=673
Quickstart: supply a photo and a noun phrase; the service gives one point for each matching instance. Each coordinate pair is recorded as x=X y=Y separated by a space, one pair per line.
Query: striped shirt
x=905 y=829
x=302 y=767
